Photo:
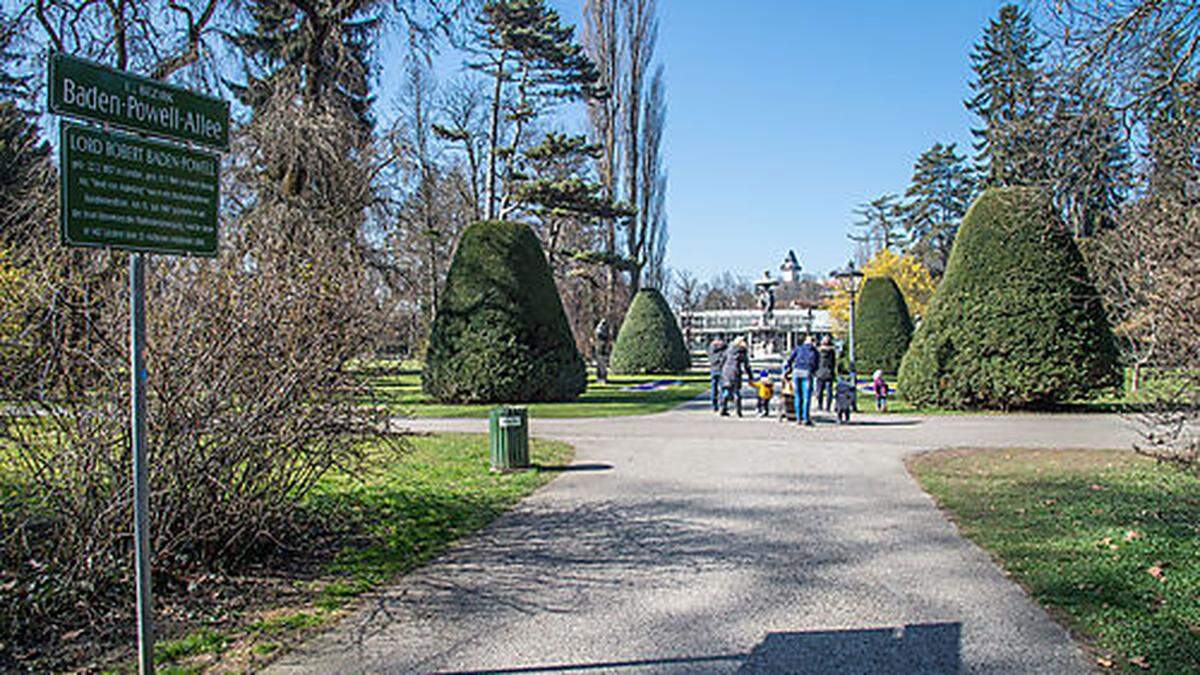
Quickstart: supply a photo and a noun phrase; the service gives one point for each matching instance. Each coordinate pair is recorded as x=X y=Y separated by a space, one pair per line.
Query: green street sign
x=95 y=92
x=120 y=191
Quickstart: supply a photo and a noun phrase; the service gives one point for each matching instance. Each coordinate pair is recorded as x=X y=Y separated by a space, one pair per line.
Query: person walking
x=716 y=358
x=735 y=362
x=880 y=385
x=602 y=350
x=801 y=365
x=826 y=373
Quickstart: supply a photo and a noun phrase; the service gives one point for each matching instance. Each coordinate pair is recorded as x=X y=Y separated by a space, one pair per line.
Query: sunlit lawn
x=1109 y=540
x=405 y=509
x=399 y=388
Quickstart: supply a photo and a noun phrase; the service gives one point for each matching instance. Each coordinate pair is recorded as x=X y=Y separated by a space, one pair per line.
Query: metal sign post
x=123 y=191
x=141 y=483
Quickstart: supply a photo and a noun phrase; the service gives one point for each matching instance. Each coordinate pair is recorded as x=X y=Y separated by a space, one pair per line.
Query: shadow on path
x=570 y=468
x=919 y=648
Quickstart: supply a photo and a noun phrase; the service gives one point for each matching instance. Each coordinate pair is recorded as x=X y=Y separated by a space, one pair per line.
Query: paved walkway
x=683 y=542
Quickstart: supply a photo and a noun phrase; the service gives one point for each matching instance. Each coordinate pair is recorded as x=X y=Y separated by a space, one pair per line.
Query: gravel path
x=683 y=542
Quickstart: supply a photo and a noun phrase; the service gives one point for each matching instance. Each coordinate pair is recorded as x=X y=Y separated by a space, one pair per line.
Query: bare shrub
x=252 y=396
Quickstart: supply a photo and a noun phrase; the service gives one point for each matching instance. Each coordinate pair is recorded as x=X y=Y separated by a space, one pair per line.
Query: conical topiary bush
x=1015 y=322
x=883 y=327
x=501 y=334
x=650 y=340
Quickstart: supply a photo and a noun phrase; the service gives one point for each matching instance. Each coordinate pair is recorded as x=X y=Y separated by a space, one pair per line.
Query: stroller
x=787 y=401
x=844 y=400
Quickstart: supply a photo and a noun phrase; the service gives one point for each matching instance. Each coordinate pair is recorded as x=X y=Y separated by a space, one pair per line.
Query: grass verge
x=1107 y=540
x=400 y=390
x=402 y=512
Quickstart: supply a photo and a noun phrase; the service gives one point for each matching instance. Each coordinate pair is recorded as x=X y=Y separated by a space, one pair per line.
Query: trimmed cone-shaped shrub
x=1015 y=322
x=650 y=340
x=501 y=334
x=883 y=326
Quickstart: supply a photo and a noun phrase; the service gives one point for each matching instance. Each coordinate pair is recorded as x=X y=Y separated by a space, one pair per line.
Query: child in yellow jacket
x=766 y=390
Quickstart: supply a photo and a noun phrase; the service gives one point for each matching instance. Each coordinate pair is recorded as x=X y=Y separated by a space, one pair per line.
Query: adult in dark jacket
x=716 y=359
x=826 y=373
x=802 y=364
x=735 y=362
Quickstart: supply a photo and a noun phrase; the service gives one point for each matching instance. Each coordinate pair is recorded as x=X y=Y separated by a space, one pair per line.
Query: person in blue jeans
x=716 y=361
x=802 y=364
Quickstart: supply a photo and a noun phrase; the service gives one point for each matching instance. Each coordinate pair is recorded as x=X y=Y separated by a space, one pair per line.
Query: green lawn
x=400 y=389
x=1108 y=540
x=1156 y=388
x=406 y=509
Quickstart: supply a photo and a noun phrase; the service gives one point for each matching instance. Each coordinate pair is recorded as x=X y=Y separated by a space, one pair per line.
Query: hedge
x=1015 y=322
x=883 y=326
x=650 y=340
x=500 y=334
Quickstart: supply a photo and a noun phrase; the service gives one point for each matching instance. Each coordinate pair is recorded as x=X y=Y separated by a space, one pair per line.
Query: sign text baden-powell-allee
x=94 y=92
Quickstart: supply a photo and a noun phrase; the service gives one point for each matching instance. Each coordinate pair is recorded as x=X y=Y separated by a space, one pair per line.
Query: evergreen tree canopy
x=1015 y=322
x=1008 y=99
x=650 y=340
x=942 y=187
x=524 y=42
x=883 y=326
x=500 y=335
x=321 y=49
x=24 y=165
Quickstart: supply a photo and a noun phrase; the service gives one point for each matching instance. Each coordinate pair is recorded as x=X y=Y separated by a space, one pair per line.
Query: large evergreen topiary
x=501 y=334
x=883 y=327
x=650 y=340
x=1015 y=322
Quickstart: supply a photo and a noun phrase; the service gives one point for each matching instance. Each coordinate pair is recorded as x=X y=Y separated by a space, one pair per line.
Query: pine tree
x=942 y=187
x=1009 y=101
x=559 y=188
x=316 y=55
x=880 y=224
x=323 y=49
x=524 y=42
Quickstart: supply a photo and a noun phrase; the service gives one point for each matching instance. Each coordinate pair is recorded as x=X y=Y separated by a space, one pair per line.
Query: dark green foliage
x=650 y=340
x=501 y=334
x=1008 y=97
x=1015 y=322
x=883 y=326
x=941 y=189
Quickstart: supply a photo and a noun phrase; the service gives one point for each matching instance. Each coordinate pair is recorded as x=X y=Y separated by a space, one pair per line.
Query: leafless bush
x=1151 y=268
x=251 y=396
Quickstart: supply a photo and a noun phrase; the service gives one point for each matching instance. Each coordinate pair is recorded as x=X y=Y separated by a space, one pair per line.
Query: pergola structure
x=786 y=329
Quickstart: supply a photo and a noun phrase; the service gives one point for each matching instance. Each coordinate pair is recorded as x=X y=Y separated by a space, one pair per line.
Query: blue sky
x=786 y=114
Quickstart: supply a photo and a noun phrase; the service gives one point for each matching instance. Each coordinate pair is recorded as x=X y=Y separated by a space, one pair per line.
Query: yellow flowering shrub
x=913 y=278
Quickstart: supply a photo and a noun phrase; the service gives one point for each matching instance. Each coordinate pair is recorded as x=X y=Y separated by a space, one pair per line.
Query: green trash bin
x=508 y=428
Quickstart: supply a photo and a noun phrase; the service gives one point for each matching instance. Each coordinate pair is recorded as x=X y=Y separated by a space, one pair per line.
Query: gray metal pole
x=141 y=488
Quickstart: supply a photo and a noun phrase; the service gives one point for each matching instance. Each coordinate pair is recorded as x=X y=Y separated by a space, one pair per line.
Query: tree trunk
x=494 y=139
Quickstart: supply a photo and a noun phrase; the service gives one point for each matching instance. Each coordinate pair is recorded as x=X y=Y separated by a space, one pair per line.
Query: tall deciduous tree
x=621 y=36
x=942 y=187
x=652 y=209
x=601 y=39
x=1087 y=159
x=1008 y=99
